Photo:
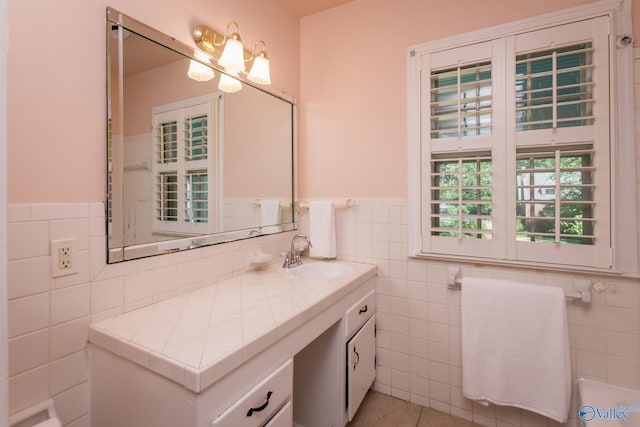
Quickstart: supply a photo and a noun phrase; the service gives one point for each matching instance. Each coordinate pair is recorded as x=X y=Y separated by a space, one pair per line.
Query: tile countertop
x=196 y=338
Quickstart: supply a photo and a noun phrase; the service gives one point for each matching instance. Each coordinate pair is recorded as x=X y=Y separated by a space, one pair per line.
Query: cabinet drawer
x=360 y=313
x=284 y=417
x=257 y=406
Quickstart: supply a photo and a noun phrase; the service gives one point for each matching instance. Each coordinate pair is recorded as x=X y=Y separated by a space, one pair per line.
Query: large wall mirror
x=188 y=164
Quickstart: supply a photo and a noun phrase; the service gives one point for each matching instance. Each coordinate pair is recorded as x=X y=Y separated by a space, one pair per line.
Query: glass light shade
x=229 y=84
x=232 y=57
x=260 y=71
x=199 y=72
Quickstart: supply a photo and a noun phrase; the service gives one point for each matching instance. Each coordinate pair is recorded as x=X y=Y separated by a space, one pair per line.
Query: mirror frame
x=126 y=253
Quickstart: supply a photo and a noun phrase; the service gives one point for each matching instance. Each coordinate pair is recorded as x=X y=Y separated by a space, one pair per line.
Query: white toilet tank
x=607 y=405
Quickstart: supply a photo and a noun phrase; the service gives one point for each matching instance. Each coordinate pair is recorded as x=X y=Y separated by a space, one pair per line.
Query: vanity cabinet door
x=361 y=368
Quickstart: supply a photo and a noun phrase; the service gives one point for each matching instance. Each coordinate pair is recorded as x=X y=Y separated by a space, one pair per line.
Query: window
x=554 y=88
x=461 y=197
x=186 y=166
x=555 y=196
x=461 y=101
x=514 y=136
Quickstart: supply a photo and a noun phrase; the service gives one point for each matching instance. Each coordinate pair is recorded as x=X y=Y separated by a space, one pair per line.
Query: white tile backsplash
x=68 y=337
x=27 y=239
x=28 y=388
x=49 y=318
x=28 y=277
x=69 y=371
x=28 y=314
x=28 y=351
x=69 y=303
x=72 y=404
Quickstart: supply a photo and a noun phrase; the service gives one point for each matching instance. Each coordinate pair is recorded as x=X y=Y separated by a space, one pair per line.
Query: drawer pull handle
x=357 y=358
x=363 y=310
x=261 y=407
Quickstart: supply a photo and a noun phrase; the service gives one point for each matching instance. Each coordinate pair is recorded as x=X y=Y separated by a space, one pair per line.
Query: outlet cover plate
x=64 y=257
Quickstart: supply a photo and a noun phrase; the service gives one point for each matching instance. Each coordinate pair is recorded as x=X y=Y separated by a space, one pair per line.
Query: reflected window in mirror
x=186 y=168
x=188 y=164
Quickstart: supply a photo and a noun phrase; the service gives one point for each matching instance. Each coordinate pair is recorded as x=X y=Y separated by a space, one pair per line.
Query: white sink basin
x=321 y=270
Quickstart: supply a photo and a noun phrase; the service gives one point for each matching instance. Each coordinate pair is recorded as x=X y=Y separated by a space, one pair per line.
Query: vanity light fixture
x=199 y=71
x=230 y=53
x=260 y=69
x=232 y=56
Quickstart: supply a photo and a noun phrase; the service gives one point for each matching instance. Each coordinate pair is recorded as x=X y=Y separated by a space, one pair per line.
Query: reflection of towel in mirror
x=322 y=229
x=270 y=216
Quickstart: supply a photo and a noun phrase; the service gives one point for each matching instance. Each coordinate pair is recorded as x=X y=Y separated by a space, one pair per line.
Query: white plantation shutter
x=196 y=137
x=561 y=110
x=551 y=186
x=515 y=147
x=167 y=199
x=461 y=101
x=197 y=196
x=461 y=197
x=186 y=166
x=458 y=124
x=554 y=88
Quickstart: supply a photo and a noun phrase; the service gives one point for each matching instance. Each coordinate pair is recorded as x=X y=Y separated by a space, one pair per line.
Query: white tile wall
x=419 y=344
x=49 y=318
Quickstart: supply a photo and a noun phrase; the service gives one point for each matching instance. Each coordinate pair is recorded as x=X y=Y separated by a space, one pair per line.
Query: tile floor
x=381 y=410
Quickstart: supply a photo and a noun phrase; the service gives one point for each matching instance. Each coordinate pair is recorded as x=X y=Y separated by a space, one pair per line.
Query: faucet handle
x=287 y=259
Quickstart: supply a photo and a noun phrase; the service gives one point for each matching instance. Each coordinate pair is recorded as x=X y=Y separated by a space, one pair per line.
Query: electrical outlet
x=64 y=254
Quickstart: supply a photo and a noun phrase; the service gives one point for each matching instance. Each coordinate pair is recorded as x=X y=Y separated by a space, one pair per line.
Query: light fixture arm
x=226 y=33
x=205 y=38
x=262 y=52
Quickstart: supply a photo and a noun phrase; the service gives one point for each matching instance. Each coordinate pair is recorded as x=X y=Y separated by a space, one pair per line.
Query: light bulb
x=260 y=70
x=229 y=84
x=232 y=57
x=200 y=72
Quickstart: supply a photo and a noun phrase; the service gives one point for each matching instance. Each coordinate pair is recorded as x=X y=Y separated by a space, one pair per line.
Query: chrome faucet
x=292 y=258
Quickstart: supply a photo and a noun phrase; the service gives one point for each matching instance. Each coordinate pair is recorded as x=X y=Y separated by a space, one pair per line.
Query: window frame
x=623 y=228
x=212 y=106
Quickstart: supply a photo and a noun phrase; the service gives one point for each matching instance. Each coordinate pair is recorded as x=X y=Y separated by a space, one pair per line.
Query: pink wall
x=352 y=103
x=353 y=73
x=56 y=92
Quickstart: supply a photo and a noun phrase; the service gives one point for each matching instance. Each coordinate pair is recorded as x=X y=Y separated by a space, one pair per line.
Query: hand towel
x=515 y=346
x=322 y=229
x=270 y=216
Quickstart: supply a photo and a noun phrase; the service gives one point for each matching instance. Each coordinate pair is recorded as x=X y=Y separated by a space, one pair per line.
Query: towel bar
x=346 y=203
x=258 y=202
x=581 y=287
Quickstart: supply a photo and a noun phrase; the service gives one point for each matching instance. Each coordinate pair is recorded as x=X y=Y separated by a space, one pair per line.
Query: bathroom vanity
x=275 y=347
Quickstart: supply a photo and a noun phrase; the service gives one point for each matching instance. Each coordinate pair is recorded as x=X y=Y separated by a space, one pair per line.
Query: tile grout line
x=419 y=416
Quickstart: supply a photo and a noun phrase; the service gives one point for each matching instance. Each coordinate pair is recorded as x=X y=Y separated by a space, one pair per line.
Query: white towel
x=322 y=229
x=270 y=216
x=515 y=346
